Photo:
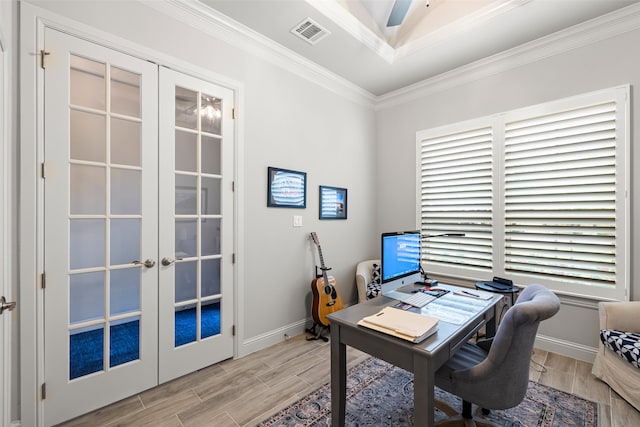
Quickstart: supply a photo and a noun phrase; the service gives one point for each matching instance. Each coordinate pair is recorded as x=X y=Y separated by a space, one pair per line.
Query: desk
x=422 y=359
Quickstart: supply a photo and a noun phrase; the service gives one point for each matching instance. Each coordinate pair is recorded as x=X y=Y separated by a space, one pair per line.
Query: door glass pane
x=210 y=277
x=186 y=281
x=124 y=343
x=87 y=83
x=125 y=290
x=125 y=191
x=210 y=113
x=125 y=238
x=186 y=230
x=125 y=92
x=185 y=324
x=88 y=136
x=210 y=196
x=210 y=233
x=211 y=155
x=186 y=196
x=186 y=108
x=186 y=151
x=87 y=243
x=125 y=142
x=86 y=297
x=210 y=319
x=87 y=189
x=86 y=351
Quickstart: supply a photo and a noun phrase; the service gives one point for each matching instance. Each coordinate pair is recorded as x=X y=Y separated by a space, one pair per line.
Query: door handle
x=4 y=305
x=168 y=261
x=147 y=263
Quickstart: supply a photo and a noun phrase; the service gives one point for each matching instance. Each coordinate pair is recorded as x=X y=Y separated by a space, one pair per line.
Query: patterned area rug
x=380 y=394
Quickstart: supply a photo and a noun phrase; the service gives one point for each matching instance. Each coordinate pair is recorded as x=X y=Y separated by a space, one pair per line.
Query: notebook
x=403 y=324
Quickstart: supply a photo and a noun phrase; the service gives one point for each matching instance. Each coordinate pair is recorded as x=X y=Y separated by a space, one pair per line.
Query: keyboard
x=417 y=299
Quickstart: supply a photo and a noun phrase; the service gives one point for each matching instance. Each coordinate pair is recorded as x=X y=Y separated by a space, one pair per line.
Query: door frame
x=5 y=253
x=33 y=20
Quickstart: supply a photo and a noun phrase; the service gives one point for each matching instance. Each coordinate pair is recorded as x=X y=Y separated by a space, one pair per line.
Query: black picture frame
x=286 y=188
x=333 y=202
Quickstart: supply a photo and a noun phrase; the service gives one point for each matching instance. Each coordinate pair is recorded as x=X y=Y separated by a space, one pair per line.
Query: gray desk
x=422 y=359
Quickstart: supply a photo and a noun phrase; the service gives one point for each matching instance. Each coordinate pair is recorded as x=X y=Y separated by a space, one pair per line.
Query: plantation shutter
x=560 y=195
x=456 y=196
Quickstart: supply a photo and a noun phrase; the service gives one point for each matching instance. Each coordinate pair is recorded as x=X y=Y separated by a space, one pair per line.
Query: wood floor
x=243 y=392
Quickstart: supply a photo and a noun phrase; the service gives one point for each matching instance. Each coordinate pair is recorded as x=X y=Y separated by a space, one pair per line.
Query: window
x=540 y=193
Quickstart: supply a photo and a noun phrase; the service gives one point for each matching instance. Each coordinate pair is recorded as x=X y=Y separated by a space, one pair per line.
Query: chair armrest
x=363 y=278
x=622 y=316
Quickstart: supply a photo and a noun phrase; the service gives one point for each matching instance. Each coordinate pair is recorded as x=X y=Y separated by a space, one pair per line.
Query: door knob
x=147 y=263
x=168 y=261
x=4 y=305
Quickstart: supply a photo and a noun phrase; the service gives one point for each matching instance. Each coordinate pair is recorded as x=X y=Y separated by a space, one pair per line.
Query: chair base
x=456 y=420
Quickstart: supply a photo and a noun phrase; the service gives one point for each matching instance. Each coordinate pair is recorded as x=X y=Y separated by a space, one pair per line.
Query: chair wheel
x=485 y=411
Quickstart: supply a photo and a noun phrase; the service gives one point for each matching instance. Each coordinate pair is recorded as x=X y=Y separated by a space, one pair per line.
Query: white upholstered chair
x=610 y=367
x=363 y=277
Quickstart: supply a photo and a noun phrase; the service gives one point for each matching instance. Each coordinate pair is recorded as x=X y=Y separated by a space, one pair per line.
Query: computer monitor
x=400 y=259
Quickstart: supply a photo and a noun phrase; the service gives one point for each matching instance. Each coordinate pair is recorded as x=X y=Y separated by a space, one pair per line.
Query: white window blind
x=456 y=196
x=540 y=192
x=560 y=195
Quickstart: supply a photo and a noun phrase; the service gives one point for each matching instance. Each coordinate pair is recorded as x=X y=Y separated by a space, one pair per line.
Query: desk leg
x=491 y=325
x=423 y=392
x=338 y=378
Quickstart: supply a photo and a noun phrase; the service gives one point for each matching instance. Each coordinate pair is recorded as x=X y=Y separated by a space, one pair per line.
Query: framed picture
x=333 y=202
x=286 y=188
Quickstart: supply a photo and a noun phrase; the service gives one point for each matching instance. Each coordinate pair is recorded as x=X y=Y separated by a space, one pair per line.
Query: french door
x=196 y=203
x=137 y=258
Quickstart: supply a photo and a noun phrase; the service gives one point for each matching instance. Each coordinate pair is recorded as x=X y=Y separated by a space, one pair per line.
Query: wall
x=285 y=119
x=500 y=84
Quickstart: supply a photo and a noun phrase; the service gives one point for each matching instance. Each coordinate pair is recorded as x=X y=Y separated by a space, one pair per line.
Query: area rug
x=380 y=394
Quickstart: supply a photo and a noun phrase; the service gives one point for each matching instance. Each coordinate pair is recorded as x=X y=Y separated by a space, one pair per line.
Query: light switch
x=297 y=221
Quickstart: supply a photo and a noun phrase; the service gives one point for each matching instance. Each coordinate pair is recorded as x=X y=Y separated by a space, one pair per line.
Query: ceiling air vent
x=310 y=31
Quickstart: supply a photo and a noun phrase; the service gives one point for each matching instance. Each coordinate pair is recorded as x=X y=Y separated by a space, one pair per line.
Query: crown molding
x=598 y=29
x=220 y=26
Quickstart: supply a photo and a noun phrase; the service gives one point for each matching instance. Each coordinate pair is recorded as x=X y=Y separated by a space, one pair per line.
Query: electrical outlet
x=297 y=221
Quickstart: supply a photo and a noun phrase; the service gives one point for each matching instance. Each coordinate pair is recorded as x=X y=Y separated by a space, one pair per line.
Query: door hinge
x=233 y=330
x=43 y=391
x=43 y=54
x=43 y=170
x=233 y=186
x=233 y=258
x=43 y=280
x=233 y=113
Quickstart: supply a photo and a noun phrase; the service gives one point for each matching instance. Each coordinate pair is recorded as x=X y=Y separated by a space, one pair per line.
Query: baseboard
x=273 y=337
x=566 y=348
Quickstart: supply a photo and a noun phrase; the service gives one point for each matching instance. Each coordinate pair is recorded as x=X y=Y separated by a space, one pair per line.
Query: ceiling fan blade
x=399 y=11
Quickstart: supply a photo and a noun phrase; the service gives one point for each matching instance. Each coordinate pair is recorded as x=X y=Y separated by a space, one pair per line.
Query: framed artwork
x=286 y=188
x=333 y=202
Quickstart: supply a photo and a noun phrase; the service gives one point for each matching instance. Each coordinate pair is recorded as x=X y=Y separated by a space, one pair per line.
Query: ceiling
x=435 y=36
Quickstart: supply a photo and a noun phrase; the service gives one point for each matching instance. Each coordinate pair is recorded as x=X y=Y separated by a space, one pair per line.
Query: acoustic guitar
x=325 y=297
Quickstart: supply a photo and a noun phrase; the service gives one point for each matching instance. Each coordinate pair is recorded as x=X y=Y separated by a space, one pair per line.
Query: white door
x=196 y=214
x=138 y=258
x=100 y=226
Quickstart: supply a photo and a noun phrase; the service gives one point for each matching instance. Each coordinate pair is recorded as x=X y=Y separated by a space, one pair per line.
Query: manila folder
x=402 y=324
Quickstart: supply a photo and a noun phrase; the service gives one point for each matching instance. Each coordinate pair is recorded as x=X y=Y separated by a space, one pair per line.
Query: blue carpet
x=87 y=348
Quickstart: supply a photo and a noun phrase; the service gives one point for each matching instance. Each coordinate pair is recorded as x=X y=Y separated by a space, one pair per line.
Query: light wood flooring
x=246 y=391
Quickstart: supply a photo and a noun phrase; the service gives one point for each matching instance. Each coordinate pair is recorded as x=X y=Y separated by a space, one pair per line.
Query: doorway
x=138 y=225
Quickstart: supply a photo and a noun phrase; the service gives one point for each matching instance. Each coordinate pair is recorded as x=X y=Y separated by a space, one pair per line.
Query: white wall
x=493 y=86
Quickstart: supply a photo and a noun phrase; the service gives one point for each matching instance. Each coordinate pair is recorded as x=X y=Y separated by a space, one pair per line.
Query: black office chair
x=497 y=378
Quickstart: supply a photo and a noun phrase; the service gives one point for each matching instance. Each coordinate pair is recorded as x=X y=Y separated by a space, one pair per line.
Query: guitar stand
x=316 y=330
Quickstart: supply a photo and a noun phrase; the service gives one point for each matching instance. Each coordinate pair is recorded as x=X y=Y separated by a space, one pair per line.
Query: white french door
x=196 y=210
x=100 y=225
x=137 y=258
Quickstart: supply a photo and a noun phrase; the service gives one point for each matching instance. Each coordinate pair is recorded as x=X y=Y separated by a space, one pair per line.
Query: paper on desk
x=400 y=323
